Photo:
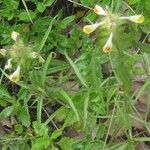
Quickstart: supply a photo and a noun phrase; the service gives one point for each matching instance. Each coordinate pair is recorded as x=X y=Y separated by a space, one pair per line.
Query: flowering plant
x=111 y=22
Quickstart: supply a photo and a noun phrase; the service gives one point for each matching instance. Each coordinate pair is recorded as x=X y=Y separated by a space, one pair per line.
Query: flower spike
x=9 y=65
x=99 y=10
x=90 y=28
x=14 y=77
x=136 y=18
x=108 y=46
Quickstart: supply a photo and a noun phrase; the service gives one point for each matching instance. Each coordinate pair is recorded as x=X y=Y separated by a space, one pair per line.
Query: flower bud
x=100 y=11
x=14 y=77
x=108 y=46
x=90 y=28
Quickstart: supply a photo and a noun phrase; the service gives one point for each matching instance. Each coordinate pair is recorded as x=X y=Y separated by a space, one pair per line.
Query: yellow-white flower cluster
x=102 y=12
x=15 y=76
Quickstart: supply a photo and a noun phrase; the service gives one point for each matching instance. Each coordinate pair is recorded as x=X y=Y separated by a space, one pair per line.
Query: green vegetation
x=74 y=74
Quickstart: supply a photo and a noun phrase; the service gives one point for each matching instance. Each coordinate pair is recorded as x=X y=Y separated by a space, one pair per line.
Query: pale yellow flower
x=14 y=35
x=99 y=10
x=136 y=18
x=14 y=77
x=8 y=65
x=108 y=46
x=90 y=28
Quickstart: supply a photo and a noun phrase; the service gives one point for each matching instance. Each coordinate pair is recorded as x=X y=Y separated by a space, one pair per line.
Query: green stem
x=2 y=75
x=39 y=108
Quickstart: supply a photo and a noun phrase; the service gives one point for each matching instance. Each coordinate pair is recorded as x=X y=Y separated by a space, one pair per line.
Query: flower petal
x=14 y=77
x=90 y=28
x=99 y=10
x=9 y=65
x=136 y=18
x=14 y=35
x=108 y=46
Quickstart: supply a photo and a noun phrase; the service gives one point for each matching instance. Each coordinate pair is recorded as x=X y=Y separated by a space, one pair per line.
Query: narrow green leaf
x=69 y=19
x=47 y=33
x=39 y=108
x=45 y=69
x=76 y=70
x=69 y=100
x=121 y=70
x=55 y=114
x=123 y=75
x=86 y=103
